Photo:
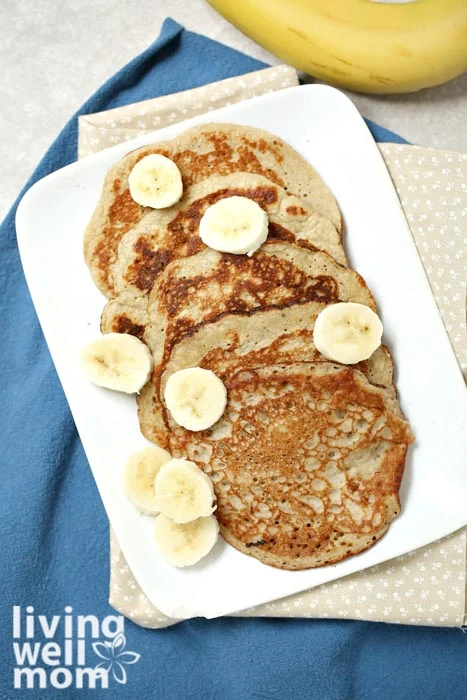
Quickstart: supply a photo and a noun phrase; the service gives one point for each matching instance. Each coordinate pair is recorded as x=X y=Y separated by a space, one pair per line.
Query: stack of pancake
x=308 y=458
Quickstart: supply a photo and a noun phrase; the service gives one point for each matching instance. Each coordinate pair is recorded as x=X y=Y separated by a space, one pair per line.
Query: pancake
x=306 y=463
x=267 y=336
x=166 y=235
x=202 y=287
x=199 y=288
x=200 y=152
x=241 y=341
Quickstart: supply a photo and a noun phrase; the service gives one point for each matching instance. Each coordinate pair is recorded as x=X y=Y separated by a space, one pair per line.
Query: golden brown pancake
x=163 y=236
x=214 y=149
x=240 y=341
x=199 y=288
x=306 y=462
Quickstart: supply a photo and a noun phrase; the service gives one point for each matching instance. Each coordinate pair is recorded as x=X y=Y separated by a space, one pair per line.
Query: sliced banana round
x=347 y=332
x=155 y=181
x=139 y=475
x=185 y=544
x=234 y=225
x=195 y=397
x=117 y=361
x=183 y=492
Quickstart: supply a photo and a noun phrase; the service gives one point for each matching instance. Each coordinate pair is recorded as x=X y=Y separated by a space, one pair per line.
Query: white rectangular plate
x=325 y=128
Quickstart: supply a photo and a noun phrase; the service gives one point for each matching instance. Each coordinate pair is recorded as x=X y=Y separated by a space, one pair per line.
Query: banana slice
x=195 y=397
x=117 y=361
x=234 y=225
x=183 y=492
x=185 y=544
x=139 y=476
x=156 y=182
x=347 y=332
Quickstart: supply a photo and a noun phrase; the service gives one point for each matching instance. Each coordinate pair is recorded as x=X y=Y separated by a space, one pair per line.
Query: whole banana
x=362 y=45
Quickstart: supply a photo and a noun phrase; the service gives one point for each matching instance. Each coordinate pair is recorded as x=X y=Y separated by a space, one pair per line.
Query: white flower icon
x=115 y=658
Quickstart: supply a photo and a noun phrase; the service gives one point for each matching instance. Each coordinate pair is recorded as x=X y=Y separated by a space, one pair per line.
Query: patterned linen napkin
x=424 y=587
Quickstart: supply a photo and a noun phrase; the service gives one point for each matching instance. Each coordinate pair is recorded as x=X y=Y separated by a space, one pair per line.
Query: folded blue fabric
x=54 y=532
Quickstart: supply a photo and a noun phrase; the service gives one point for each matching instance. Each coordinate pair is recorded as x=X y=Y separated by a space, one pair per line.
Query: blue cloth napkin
x=54 y=531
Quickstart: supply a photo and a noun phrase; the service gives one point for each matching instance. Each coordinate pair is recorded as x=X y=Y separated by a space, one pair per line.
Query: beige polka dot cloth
x=425 y=587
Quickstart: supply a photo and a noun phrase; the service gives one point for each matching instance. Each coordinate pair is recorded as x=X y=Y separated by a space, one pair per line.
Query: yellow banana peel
x=362 y=45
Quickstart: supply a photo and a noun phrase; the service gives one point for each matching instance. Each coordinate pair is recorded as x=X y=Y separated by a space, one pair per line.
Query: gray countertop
x=54 y=54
